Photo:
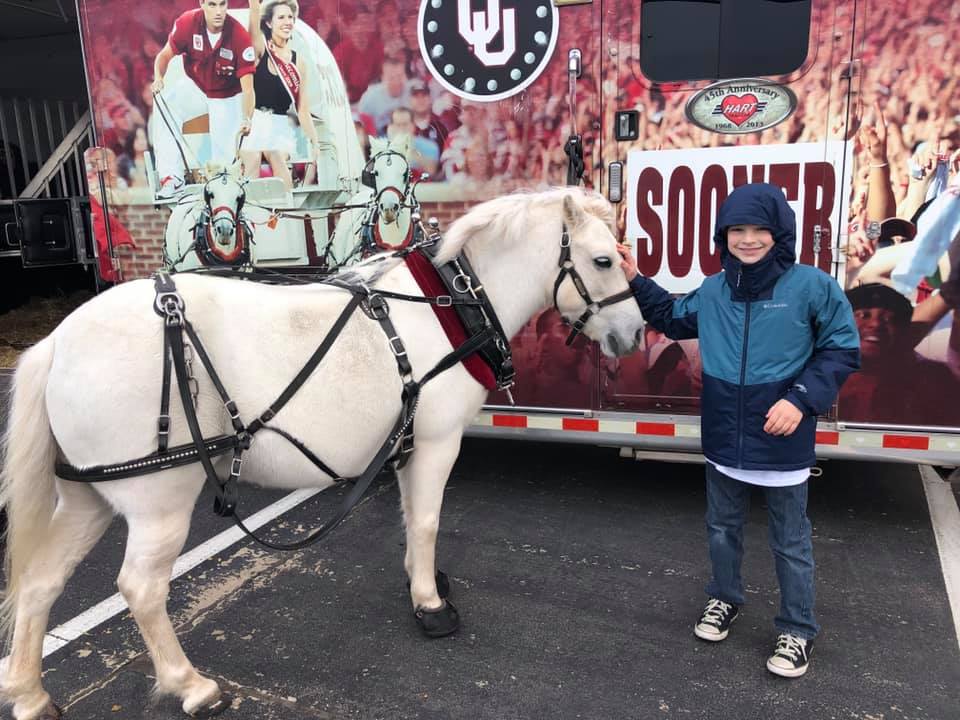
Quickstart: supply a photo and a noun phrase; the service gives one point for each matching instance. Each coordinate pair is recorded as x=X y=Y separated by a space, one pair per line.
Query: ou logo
x=487 y=50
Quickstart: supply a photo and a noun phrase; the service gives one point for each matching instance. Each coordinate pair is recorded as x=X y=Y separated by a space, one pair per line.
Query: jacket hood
x=764 y=205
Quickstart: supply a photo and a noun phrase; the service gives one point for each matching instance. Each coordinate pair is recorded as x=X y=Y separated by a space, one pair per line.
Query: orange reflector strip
x=514 y=421
x=906 y=442
x=583 y=424
x=828 y=437
x=648 y=428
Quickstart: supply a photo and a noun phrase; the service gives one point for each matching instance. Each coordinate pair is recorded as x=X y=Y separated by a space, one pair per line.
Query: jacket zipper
x=743 y=377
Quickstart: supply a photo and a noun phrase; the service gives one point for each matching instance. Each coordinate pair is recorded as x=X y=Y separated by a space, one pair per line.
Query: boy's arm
x=677 y=319
x=836 y=354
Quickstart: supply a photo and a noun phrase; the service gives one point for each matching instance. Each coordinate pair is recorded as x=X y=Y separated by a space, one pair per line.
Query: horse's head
x=388 y=174
x=223 y=198
x=591 y=291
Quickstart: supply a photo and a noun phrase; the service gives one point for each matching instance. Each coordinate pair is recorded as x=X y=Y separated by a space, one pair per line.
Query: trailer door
x=700 y=97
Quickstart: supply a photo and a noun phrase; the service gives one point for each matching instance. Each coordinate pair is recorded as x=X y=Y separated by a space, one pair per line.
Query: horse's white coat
x=91 y=391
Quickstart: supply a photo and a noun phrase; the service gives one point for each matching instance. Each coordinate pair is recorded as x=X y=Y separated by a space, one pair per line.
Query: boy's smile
x=749 y=243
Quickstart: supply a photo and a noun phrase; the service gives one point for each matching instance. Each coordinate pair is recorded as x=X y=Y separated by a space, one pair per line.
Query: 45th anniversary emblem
x=487 y=50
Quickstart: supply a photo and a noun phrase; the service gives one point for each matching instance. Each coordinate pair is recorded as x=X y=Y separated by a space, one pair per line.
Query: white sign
x=673 y=197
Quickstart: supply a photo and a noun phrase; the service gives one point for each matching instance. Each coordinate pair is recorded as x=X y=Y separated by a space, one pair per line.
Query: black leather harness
x=169 y=305
x=485 y=336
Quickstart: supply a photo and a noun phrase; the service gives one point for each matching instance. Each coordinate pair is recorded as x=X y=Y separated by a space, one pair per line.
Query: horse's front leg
x=421 y=491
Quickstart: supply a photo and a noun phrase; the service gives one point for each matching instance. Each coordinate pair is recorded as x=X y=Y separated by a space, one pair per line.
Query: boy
x=777 y=341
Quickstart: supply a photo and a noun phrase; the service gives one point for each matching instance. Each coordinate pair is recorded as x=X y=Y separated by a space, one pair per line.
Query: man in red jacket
x=219 y=60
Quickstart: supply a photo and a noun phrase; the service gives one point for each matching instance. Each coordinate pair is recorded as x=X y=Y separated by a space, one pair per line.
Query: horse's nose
x=224 y=230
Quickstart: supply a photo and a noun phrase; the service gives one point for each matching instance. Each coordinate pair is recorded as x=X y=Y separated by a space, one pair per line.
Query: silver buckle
x=444 y=301
x=396 y=346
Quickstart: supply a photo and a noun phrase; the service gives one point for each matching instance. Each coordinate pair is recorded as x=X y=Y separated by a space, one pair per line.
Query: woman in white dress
x=280 y=86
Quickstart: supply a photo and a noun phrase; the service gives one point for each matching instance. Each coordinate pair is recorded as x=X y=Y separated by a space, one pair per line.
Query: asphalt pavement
x=578 y=576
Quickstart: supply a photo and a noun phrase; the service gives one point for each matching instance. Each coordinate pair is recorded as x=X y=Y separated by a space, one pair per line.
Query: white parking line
x=945 y=518
x=115 y=604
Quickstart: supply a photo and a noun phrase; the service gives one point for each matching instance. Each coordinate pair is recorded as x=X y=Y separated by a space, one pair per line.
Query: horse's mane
x=367 y=271
x=507 y=216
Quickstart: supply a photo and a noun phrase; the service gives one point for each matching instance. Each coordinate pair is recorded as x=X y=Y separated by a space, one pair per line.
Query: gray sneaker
x=715 y=620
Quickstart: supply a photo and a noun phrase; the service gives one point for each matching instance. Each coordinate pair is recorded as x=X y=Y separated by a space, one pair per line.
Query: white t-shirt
x=214 y=38
x=766 y=478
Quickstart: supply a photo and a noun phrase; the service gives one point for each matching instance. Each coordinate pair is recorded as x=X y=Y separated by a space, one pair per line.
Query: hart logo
x=487 y=50
x=741 y=106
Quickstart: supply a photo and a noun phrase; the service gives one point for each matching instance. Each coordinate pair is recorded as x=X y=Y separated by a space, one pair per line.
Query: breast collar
x=461 y=282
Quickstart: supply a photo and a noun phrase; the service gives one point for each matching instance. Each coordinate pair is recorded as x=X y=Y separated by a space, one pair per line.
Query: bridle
x=369 y=174
x=208 y=252
x=567 y=268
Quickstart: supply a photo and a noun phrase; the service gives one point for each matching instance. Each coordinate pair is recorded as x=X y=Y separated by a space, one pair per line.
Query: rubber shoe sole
x=786 y=672
x=711 y=635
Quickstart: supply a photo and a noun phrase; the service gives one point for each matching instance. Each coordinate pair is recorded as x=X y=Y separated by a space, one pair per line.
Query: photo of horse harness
x=466 y=295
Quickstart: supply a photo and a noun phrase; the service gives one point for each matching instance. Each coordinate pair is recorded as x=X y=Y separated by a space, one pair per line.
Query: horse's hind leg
x=421 y=491
x=155 y=540
x=77 y=524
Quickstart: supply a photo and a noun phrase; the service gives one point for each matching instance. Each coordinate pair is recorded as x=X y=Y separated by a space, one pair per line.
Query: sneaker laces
x=790 y=646
x=715 y=611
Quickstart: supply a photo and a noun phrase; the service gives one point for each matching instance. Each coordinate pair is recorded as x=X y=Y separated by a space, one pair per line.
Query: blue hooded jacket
x=768 y=330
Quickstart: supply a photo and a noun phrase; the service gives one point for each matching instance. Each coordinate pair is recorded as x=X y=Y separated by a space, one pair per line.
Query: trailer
x=663 y=106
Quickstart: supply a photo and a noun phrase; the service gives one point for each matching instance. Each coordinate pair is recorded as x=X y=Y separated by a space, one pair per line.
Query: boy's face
x=749 y=243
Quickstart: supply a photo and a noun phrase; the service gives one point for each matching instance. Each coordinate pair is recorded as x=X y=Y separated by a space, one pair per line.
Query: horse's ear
x=573 y=214
x=401 y=143
x=377 y=145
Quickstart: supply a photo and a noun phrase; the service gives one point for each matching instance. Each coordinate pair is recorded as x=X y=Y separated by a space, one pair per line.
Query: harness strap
x=308 y=368
x=472 y=345
x=163 y=420
x=307 y=453
x=229 y=404
x=352 y=498
x=225 y=502
x=176 y=456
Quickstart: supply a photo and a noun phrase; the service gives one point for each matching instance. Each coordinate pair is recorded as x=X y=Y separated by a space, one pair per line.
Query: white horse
x=65 y=405
x=218 y=211
x=386 y=212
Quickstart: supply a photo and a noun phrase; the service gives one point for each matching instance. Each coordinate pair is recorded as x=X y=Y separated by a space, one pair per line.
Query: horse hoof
x=51 y=712
x=443 y=585
x=215 y=709
x=440 y=622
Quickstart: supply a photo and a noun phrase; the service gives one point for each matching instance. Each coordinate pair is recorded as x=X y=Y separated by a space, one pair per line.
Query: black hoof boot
x=443 y=585
x=440 y=622
x=221 y=705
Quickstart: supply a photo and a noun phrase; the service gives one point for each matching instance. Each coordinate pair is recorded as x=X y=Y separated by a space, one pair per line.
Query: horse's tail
x=27 y=490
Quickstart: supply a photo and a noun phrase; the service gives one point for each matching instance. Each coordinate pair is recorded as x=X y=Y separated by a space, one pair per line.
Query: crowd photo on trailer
x=298 y=93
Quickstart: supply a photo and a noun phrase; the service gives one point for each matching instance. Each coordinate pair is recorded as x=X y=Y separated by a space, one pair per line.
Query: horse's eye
x=604 y=263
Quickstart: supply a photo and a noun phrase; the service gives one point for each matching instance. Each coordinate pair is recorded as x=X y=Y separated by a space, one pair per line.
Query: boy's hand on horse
x=627 y=262
x=783 y=418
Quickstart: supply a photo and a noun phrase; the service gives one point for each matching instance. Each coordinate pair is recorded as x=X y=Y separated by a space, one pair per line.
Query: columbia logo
x=768 y=306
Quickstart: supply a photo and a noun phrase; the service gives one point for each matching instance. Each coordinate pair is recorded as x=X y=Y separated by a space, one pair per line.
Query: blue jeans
x=728 y=501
